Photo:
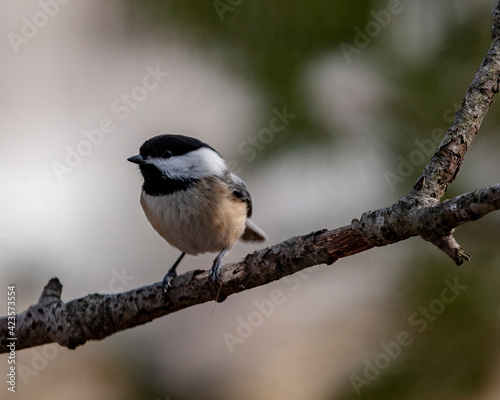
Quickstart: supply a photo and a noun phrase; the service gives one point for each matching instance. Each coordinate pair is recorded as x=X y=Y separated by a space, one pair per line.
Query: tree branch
x=447 y=160
x=97 y=316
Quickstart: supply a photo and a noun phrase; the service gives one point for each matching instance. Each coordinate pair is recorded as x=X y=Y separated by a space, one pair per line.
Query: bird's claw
x=214 y=276
x=167 y=281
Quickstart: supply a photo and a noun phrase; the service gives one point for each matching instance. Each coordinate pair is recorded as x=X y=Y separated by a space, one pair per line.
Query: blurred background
x=326 y=110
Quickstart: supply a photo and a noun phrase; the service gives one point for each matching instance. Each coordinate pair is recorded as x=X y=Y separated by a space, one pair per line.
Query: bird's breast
x=203 y=218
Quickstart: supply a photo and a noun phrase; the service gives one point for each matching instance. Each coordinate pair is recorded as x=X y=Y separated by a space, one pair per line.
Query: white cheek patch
x=193 y=165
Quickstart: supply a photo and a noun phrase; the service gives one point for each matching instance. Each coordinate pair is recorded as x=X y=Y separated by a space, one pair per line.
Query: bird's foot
x=214 y=275
x=171 y=274
x=167 y=281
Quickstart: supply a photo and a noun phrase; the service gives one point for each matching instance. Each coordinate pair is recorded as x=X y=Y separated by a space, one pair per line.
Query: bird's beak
x=136 y=159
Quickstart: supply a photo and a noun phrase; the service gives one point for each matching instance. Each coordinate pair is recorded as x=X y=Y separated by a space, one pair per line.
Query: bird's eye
x=167 y=154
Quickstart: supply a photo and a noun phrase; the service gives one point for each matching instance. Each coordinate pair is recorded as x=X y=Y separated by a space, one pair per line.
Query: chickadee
x=192 y=200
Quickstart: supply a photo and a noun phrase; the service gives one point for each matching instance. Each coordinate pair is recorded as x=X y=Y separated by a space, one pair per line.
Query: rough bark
x=419 y=213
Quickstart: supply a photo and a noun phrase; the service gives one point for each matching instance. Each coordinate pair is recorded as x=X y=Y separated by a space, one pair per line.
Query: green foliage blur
x=270 y=43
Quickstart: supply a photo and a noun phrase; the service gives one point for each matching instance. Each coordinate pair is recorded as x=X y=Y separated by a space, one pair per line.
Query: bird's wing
x=240 y=191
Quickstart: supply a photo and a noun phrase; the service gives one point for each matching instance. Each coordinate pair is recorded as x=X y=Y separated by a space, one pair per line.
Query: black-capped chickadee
x=192 y=200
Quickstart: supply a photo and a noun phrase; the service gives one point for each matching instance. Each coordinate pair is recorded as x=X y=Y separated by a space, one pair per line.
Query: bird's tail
x=253 y=233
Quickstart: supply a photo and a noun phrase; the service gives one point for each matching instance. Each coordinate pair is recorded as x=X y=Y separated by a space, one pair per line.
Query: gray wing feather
x=240 y=191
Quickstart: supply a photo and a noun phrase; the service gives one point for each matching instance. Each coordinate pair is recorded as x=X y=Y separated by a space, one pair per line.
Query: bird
x=193 y=201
